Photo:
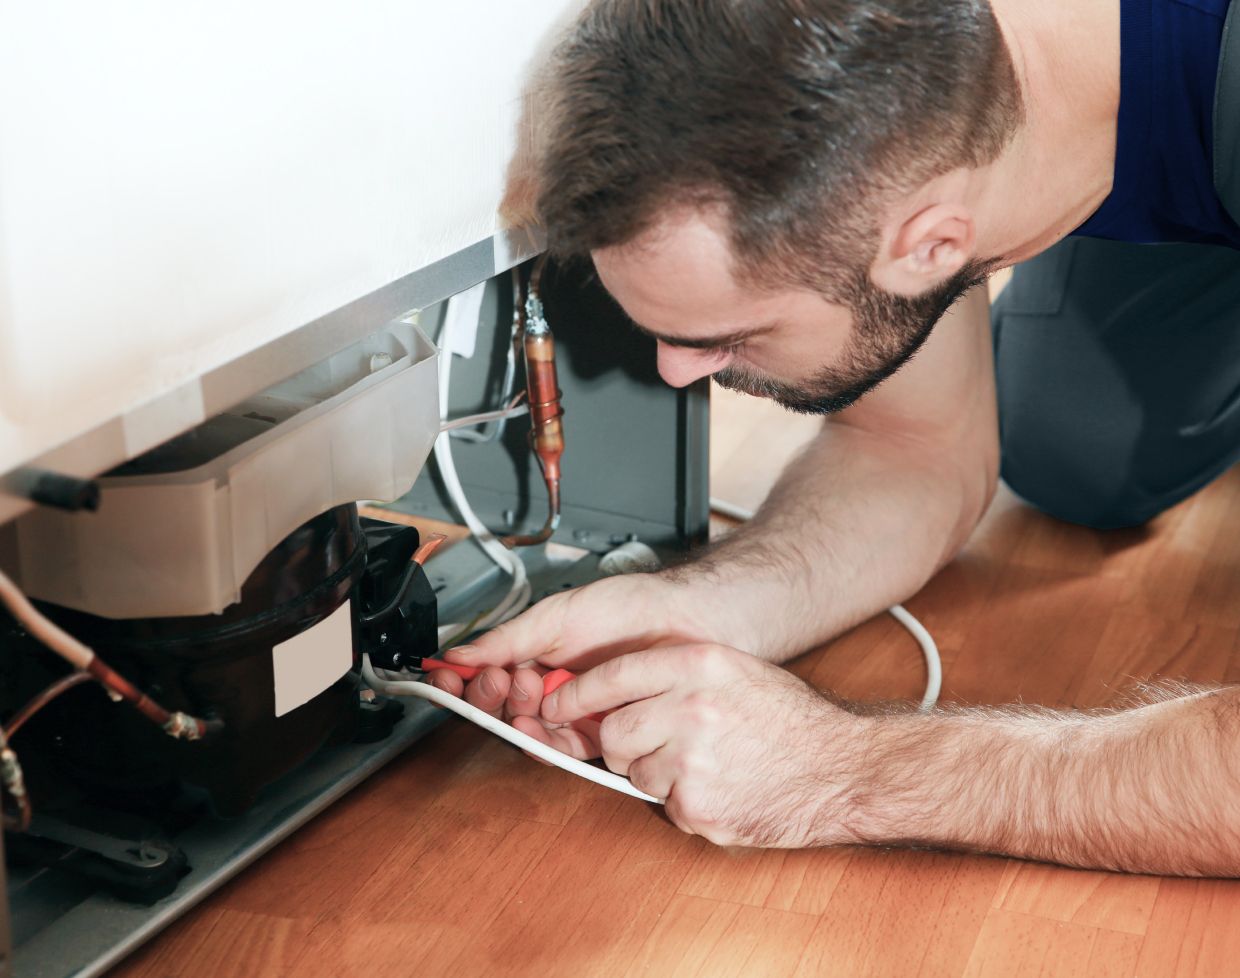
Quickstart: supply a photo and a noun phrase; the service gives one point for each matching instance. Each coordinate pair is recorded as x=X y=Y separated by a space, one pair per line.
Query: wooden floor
x=466 y=858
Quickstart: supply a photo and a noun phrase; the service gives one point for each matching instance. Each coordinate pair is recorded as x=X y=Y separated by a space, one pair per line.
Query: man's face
x=791 y=345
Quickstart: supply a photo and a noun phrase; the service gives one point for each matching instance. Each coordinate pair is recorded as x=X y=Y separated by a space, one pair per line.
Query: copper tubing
x=547 y=432
x=43 y=629
x=38 y=702
x=543 y=394
x=432 y=543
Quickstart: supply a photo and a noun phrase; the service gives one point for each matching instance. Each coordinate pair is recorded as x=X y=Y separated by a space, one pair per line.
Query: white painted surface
x=308 y=663
x=183 y=182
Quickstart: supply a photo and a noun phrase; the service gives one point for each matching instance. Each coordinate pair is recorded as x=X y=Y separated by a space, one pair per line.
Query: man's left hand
x=743 y=752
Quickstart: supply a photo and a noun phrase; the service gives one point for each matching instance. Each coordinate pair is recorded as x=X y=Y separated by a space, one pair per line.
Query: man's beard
x=887 y=330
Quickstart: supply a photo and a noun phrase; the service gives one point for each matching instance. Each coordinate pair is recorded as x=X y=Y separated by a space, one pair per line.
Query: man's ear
x=925 y=250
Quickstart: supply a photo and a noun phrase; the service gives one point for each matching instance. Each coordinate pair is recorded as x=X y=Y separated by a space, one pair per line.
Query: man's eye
x=731 y=349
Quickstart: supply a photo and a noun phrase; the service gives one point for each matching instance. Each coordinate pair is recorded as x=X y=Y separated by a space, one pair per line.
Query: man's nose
x=680 y=366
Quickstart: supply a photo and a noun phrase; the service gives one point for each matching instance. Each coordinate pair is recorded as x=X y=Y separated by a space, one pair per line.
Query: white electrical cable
x=934 y=664
x=730 y=510
x=439 y=697
x=519 y=592
x=476 y=419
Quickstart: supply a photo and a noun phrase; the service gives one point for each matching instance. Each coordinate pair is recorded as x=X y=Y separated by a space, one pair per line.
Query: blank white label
x=308 y=663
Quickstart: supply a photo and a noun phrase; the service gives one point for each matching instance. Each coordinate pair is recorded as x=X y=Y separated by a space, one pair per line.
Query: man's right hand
x=577 y=630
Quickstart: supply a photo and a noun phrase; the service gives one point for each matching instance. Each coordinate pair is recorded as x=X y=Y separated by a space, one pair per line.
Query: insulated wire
x=65 y=683
x=45 y=631
x=934 y=664
x=439 y=697
x=475 y=419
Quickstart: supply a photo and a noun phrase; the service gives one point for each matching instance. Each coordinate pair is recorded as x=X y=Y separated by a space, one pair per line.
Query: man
x=788 y=194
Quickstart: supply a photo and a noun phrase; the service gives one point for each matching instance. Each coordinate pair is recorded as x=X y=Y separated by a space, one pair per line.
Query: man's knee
x=1068 y=485
x=1116 y=380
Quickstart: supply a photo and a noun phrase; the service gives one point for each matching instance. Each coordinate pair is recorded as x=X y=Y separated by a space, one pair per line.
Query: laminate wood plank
x=586 y=909
x=1111 y=901
x=424 y=905
x=1017 y=945
x=1140 y=647
x=1192 y=932
x=224 y=941
x=799 y=881
x=901 y=913
x=506 y=782
x=704 y=938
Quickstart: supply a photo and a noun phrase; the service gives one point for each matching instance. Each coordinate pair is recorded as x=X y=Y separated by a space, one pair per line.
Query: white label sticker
x=308 y=663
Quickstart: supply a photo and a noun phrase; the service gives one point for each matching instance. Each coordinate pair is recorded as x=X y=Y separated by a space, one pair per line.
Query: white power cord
x=425 y=691
x=934 y=665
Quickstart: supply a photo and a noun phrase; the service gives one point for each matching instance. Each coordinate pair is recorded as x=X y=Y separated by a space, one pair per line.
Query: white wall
x=182 y=181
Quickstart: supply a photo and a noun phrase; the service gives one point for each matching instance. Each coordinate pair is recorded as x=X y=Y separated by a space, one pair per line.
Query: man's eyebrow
x=719 y=342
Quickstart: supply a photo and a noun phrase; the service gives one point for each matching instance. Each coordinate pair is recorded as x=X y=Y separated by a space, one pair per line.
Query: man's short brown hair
x=798 y=118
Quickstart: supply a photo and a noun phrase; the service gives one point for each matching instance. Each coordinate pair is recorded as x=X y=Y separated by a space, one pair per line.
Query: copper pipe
x=55 y=638
x=543 y=394
x=23 y=715
x=432 y=543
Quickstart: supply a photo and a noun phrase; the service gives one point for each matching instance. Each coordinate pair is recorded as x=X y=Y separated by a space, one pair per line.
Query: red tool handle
x=551 y=681
x=465 y=672
x=557 y=678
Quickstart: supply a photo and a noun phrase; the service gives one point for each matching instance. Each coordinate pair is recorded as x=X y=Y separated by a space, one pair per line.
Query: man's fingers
x=525 y=694
x=619 y=681
x=446 y=680
x=533 y=728
x=579 y=741
x=654 y=774
x=634 y=731
x=489 y=690
x=520 y=639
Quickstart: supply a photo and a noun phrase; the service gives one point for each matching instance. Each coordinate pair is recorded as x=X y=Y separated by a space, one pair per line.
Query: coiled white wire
x=425 y=691
x=929 y=650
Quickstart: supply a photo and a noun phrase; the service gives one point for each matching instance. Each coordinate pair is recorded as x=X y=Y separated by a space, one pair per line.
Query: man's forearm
x=857 y=523
x=1154 y=789
x=886 y=494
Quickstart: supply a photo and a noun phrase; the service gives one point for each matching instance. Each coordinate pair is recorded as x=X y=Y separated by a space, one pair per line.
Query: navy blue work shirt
x=1164 y=189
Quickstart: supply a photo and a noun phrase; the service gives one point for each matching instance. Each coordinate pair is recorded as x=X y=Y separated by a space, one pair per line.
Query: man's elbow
x=976 y=474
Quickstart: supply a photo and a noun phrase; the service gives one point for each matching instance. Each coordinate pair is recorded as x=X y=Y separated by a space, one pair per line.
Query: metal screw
x=383 y=638
x=397 y=658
